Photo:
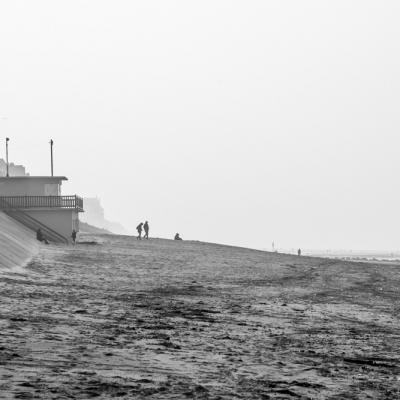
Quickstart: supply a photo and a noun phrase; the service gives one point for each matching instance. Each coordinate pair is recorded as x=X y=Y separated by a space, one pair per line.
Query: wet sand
x=161 y=319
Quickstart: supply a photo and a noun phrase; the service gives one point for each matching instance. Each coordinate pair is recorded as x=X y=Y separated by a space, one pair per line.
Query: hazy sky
x=238 y=122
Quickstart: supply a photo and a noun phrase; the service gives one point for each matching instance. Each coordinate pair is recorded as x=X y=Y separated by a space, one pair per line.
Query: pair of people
x=40 y=236
x=143 y=226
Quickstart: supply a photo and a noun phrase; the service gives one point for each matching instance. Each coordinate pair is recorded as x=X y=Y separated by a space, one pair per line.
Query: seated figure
x=40 y=236
x=177 y=237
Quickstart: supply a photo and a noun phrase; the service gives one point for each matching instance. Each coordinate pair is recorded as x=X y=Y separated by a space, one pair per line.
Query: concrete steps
x=33 y=224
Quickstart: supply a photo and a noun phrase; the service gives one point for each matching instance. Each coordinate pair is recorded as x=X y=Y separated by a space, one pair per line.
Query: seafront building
x=37 y=202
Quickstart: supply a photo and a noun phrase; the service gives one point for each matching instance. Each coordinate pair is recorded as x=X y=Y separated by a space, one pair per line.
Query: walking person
x=139 y=228
x=73 y=235
x=146 y=230
x=39 y=235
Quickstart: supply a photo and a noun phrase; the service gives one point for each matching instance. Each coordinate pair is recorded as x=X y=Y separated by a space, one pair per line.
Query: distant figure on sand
x=177 y=237
x=73 y=235
x=139 y=228
x=299 y=252
x=146 y=230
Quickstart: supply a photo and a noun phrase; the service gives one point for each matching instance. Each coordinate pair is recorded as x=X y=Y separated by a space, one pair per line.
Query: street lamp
x=51 y=155
x=7 y=139
x=2 y=117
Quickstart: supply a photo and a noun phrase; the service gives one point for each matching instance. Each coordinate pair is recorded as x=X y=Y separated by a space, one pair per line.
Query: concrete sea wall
x=17 y=243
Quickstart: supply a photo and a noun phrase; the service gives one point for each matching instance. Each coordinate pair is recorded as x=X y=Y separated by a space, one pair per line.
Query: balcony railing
x=25 y=202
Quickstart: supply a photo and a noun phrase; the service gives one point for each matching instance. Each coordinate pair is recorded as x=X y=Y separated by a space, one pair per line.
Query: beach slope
x=161 y=319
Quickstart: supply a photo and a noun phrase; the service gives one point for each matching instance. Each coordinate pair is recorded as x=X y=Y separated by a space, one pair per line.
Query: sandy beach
x=158 y=319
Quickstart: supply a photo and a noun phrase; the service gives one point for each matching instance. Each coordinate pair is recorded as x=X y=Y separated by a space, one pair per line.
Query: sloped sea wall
x=18 y=244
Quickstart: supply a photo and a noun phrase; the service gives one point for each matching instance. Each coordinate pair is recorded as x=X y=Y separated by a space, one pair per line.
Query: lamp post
x=51 y=155
x=7 y=139
x=4 y=118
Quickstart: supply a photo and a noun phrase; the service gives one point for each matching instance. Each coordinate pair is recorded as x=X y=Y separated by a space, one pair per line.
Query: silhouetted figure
x=146 y=230
x=177 y=237
x=40 y=236
x=299 y=252
x=139 y=228
x=73 y=235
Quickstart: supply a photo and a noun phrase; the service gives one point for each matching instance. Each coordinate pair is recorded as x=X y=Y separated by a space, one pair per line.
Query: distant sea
x=357 y=255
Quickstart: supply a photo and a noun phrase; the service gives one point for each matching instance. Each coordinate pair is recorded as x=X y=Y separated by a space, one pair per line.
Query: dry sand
x=161 y=319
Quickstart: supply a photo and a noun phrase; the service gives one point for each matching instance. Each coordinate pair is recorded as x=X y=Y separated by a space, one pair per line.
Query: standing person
x=39 y=235
x=146 y=230
x=73 y=235
x=139 y=229
x=299 y=252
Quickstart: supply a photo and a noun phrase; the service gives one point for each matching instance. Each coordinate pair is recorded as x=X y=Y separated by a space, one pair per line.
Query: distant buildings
x=94 y=215
x=13 y=169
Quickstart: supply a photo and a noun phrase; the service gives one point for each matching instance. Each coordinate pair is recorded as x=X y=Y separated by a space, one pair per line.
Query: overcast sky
x=237 y=122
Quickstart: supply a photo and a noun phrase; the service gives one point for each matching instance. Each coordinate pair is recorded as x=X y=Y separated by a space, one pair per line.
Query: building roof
x=52 y=178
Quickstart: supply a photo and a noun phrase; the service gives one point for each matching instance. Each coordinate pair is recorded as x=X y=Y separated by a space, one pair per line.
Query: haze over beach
x=226 y=121
x=259 y=142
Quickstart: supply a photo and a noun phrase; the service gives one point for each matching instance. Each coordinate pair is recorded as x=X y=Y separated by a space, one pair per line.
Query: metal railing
x=26 y=202
x=30 y=222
